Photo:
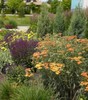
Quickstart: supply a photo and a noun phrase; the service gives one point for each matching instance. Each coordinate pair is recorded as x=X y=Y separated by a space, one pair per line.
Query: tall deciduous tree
x=2 y=8
x=54 y=4
x=21 y=10
x=2 y=4
x=14 y=4
x=66 y=4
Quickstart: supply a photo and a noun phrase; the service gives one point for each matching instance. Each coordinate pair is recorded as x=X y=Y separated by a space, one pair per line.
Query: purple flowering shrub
x=22 y=50
x=21 y=47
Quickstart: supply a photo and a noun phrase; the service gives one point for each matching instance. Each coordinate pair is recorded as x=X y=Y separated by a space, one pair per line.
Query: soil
x=2 y=77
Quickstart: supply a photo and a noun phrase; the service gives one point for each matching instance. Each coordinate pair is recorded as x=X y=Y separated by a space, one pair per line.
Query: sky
x=44 y=0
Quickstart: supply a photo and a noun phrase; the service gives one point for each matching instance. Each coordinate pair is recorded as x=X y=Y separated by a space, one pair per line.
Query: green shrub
x=16 y=74
x=8 y=10
x=3 y=32
x=14 y=4
x=59 y=24
x=37 y=9
x=21 y=9
x=6 y=91
x=10 y=24
x=27 y=9
x=32 y=8
x=5 y=57
x=13 y=23
x=1 y=23
x=78 y=23
x=3 y=13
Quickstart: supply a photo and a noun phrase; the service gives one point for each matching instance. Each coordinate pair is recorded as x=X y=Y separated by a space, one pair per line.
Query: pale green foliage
x=66 y=4
x=16 y=74
x=59 y=24
x=78 y=23
x=21 y=9
x=43 y=26
x=13 y=4
x=5 y=58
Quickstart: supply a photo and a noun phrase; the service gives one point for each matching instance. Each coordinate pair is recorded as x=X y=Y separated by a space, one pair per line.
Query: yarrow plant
x=61 y=60
x=85 y=81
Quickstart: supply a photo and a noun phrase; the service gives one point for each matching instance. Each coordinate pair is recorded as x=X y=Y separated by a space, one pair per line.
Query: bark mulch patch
x=2 y=77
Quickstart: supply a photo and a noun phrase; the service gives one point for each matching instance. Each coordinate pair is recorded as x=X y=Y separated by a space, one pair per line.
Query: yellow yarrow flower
x=39 y=66
x=57 y=73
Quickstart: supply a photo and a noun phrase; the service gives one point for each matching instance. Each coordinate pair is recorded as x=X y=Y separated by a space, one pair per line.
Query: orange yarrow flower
x=44 y=53
x=84 y=83
x=46 y=65
x=70 y=49
x=28 y=72
x=36 y=55
x=86 y=89
x=68 y=45
x=71 y=37
x=85 y=74
x=79 y=62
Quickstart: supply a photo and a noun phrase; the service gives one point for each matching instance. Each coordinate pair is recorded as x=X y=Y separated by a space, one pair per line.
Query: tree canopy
x=14 y=4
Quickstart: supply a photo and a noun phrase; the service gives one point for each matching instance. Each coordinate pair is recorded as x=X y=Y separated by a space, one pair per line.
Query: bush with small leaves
x=59 y=23
x=78 y=23
x=43 y=26
x=16 y=74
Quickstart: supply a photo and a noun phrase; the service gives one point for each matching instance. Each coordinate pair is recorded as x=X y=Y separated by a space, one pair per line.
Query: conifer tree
x=54 y=4
x=43 y=25
x=59 y=23
x=86 y=30
x=78 y=23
